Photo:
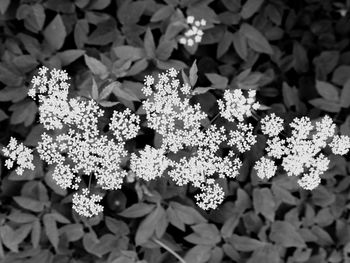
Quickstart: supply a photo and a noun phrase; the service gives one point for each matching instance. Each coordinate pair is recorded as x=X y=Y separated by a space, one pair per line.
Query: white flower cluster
x=236 y=106
x=86 y=204
x=22 y=155
x=172 y=116
x=301 y=152
x=195 y=33
x=80 y=149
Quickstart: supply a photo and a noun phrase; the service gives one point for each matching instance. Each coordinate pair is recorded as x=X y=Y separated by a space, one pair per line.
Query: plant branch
x=168 y=249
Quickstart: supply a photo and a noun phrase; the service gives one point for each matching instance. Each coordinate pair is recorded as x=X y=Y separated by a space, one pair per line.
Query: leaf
x=187 y=214
x=3 y=115
x=36 y=233
x=256 y=40
x=198 y=254
x=323 y=197
x=162 y=13
x=250 y=8
x=35 y=20
x=81 y=31
x=8 y=77
x=264 y=203
x=68 y=56
x=245 y=244
x=327 y=91
x=137 y=210
x=224 y=44
x=51 y=230
x=323 y=238
x=240 y=43
x=73 y=232
x=123 y=93
x=29 y=203
x=268 y=253
x=325 y=63
x=218 y=82
x=174 y=219
x=117 y=227
x=148 y=225
x=285 y=234
x=344 y=97
x=94 y=90
x=4 y=4
x=99 y=247
x=12 y=238
x=55 y=33
x=282 y=195
x=193 y=74
x=137 y=67
x=165 y=48
x=325 y=105
x=301 y=62
x=341 y=75
x=204 y=234
x=129 y=52
x=23 y=112
x=96 y=67
x=149 y=45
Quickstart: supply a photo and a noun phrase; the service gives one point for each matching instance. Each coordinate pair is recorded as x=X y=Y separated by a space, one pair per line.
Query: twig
x=168 y=249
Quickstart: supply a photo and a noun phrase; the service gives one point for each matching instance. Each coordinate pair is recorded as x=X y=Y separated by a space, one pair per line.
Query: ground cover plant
x=174 y=131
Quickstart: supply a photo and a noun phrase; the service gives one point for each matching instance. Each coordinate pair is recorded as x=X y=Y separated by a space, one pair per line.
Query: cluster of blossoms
x=79 y=149
x=22 y=155
x=301 y=152
x=195 y=33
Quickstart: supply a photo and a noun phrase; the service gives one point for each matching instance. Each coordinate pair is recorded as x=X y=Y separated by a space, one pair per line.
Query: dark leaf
x=193 y=74
x=325 y=105
x=250 y=8
x=240 y=44
x=345 y=95
x=204 y=234
x=301 y=62
x=129 y=52
x=137 y=210
x=73 y=232
x=224 y=44
x=341 y=75
x=187 y=214
x=327 y=91
x=4 y=5
x=162 y=13
x=256 y=40
x=245 y=244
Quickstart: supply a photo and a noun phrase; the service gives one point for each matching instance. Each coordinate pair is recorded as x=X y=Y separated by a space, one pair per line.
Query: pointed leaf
x=137 y=210
x=55 y=33
x=96 y=67
x=327 y=91
x=329 y=106
x=51 y=229
x=149 y=45
x=264 y=203
x=240 y=44
x=250 y=8
x=193 y=74
x=286 y=235
x=256 y=40
x=245 y=244
x=345 y=95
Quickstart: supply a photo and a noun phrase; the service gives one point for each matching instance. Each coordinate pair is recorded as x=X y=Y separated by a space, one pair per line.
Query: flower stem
x=168 y=249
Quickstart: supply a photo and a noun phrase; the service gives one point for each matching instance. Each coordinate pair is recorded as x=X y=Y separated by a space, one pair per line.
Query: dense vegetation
x=295 y=54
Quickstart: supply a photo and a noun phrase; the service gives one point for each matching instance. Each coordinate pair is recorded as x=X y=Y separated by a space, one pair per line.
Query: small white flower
x=86 y=205
x=271 y=125
x=265 y=168
x=182 y=40
x=197 y=23
x=203 y=22
x=212 y=195
x=190 y=19
x=22 y=155
x=190 y=42
x=340 y=144
x=197 y=39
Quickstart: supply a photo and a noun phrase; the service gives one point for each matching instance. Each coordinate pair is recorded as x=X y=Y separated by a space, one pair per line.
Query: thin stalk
x=168 y=249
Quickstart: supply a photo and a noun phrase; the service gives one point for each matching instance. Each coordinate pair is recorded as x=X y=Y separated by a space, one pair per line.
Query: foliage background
x=295 y=53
